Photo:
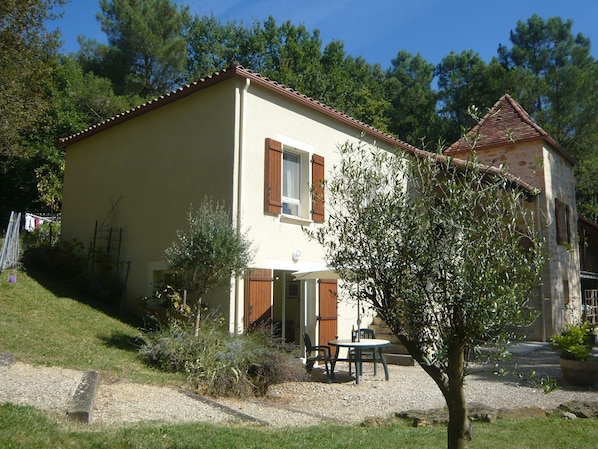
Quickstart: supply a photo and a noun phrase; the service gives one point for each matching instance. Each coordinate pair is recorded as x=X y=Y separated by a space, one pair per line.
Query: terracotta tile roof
x=506 y=123
x=237 y=70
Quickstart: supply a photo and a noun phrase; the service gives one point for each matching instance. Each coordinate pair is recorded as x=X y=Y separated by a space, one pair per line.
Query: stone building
x=508 y=137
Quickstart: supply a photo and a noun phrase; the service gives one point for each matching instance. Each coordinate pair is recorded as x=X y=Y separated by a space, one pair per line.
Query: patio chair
x=367 y=355
x=318 y=353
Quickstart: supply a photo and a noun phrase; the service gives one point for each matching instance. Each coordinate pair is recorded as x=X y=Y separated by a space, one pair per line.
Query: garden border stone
x=81 y=404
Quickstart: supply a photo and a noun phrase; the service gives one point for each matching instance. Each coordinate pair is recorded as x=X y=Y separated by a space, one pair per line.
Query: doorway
x=274 y=298
x=286 y=307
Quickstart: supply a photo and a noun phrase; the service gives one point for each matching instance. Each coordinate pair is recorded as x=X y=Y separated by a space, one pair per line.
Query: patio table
x=364 y=343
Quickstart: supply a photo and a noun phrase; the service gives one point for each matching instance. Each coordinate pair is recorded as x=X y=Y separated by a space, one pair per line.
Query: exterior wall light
x=296 y=255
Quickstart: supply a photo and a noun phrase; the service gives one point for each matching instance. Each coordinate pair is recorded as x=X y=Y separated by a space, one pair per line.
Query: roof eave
x=151 y=105
x=226 y=74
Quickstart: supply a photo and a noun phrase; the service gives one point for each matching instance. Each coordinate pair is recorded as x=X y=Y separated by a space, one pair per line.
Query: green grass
x=23 y=427
x=42 y=322
x=45 y=323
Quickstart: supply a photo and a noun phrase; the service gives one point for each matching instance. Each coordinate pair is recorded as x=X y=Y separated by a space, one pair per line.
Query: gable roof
x=280 y=89
x=226 y=74
x=505 y=123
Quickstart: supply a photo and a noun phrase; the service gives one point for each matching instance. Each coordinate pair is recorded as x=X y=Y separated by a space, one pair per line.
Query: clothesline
x=33 y=221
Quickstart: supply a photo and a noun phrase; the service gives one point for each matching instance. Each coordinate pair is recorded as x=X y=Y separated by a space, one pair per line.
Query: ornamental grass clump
x=216 y=362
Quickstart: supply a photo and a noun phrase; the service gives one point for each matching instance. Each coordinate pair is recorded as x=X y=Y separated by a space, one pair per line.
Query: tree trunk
x=459 y=427
x=451 y=385
x=198 y=316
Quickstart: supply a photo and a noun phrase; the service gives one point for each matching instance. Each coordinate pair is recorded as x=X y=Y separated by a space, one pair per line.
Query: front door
x=328 y=312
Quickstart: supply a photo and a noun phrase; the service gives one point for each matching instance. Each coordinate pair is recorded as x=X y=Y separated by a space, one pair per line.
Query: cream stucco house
x=259 y=146
x=237 y=137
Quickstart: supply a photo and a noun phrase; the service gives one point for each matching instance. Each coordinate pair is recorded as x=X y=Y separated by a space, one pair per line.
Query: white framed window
x=291 y=183
x=293 y=180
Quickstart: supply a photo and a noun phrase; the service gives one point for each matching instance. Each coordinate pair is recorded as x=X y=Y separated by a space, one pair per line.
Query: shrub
x=64 y=259
x=574 y=342
x=169 y=347
x=68 y=261
x=46 y=234
x=216 y=362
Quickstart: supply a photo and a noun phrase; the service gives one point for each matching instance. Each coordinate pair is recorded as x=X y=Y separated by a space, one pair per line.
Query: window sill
x=292 y=219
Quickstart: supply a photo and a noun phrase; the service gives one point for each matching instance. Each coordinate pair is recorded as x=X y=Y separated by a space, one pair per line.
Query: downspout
x=238 y=326
x=542 y=291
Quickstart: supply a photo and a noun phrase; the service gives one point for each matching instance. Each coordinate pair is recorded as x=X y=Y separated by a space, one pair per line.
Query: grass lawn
x=42 y=322
x=23 y=427
x=45 y=323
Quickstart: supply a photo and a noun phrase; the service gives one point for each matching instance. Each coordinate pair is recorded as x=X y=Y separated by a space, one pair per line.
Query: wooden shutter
x=567 y=221
x=563 y=231
x=258 y=297
x=317 y=194
x=273 y=181
x=557 y=220
x=328 y=310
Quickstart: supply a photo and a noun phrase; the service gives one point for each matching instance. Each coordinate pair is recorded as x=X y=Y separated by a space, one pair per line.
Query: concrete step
x=399 y=359
x=395 y=353
x=394 y=348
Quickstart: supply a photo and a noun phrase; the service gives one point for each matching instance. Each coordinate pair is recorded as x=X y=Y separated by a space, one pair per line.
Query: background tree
x=555 y=78
x=464 y=79
x=88 y=96
x=412 y=114
x=420 y=241
x=213 y=45
x=28 y=54
x=353 y=86
x=146 y=53
x=209 y=253
x=154 y=46
x=556 y=81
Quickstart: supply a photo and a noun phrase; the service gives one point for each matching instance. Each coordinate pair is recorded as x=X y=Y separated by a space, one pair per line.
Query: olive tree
x=443 y=250
x=209 y=254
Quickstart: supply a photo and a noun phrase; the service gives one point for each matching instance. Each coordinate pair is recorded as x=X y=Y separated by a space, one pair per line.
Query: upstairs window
x=287 y=189
x=291 y=184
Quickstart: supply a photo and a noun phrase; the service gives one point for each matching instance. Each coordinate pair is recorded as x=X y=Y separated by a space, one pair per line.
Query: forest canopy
x=155 y=46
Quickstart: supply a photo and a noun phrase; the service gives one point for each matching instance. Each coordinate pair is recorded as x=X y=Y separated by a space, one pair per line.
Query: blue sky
x=377 y=29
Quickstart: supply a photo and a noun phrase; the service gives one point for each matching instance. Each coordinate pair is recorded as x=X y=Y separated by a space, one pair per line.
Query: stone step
x=378 y=321
x=395 y=353
x=399 y=359
x=384 y=333
x=395 y=348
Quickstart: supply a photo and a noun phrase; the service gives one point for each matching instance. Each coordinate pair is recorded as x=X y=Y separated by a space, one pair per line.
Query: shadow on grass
x=75 y=289
x=122 y=341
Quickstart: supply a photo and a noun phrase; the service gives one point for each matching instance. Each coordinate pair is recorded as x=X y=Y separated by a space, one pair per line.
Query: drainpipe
x=542 y=291
x=240 y=149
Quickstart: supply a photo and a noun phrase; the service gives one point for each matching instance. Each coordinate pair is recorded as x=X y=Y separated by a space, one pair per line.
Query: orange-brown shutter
x=258 y=297
x=273 y=181
x=317 y=194
x=328 y=310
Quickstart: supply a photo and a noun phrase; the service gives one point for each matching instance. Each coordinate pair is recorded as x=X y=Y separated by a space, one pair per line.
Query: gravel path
x=307 y=402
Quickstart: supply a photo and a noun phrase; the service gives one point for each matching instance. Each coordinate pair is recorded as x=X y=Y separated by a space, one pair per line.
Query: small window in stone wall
x=566 y=293
x=563 y=230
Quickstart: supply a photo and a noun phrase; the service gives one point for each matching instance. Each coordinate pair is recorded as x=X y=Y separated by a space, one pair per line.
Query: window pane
x=291 y=175
x=290 y=209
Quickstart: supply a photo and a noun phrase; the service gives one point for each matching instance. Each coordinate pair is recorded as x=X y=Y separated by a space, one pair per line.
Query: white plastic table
x=364 y=343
